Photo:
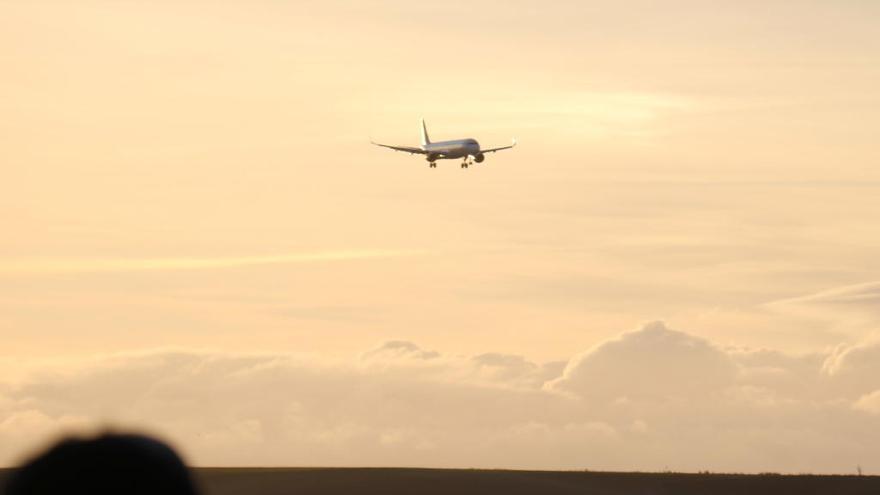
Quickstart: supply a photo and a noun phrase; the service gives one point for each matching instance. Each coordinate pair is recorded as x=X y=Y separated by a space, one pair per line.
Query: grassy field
x=290 y=481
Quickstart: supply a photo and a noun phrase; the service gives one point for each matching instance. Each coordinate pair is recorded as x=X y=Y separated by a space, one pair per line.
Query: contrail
x=72 y=265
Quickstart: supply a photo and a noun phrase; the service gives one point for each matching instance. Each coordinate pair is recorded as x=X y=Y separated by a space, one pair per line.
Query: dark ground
x=240 y=481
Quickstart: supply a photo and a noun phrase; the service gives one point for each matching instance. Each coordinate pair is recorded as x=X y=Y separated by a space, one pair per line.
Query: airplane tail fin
x=425 y=139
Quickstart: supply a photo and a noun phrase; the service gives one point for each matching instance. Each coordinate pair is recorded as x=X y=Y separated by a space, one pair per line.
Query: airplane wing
x=493 y=150
x=407 y=149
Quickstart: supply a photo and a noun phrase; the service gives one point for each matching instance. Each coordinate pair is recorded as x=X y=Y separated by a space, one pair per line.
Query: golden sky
x=195 y=179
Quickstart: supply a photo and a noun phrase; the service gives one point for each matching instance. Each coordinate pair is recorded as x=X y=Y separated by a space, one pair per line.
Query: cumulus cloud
x=515 y=370
x=653 y=361
x=399 y=349
x=793 y=375
x=646 y=399
x=855 y=360
x=854 y=369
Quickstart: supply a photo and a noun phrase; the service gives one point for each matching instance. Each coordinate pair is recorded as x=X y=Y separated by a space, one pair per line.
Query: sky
x=675 y=269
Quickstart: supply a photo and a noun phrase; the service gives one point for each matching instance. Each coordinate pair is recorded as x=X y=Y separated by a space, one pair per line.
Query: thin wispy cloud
x=866 y=294
x=595 y=113
x=852 y=309
x=92 y=265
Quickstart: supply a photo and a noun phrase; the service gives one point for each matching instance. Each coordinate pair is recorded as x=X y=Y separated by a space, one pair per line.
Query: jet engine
x=479 y=158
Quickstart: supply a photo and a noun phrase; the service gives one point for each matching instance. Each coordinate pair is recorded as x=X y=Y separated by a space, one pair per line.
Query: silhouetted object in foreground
x=109 y=464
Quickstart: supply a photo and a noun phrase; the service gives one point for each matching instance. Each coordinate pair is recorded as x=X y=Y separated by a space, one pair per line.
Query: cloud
x=793 y=375
x=869 y=403
x=653 y=361
x=54 y=266
x=517 y=370
x=861 y=295
x=281 y=409
x=646 y=399
x=587 y=114
x=854 y=369
x=859 y=303
x=399 y=349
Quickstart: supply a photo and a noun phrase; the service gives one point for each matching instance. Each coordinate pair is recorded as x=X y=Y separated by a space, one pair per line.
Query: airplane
x=468 y=149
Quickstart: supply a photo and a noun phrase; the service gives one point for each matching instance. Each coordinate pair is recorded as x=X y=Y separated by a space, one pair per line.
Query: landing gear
x=432 y=164
x=464 y=165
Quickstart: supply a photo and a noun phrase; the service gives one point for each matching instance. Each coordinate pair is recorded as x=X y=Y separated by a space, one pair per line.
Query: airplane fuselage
x=459 y=148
